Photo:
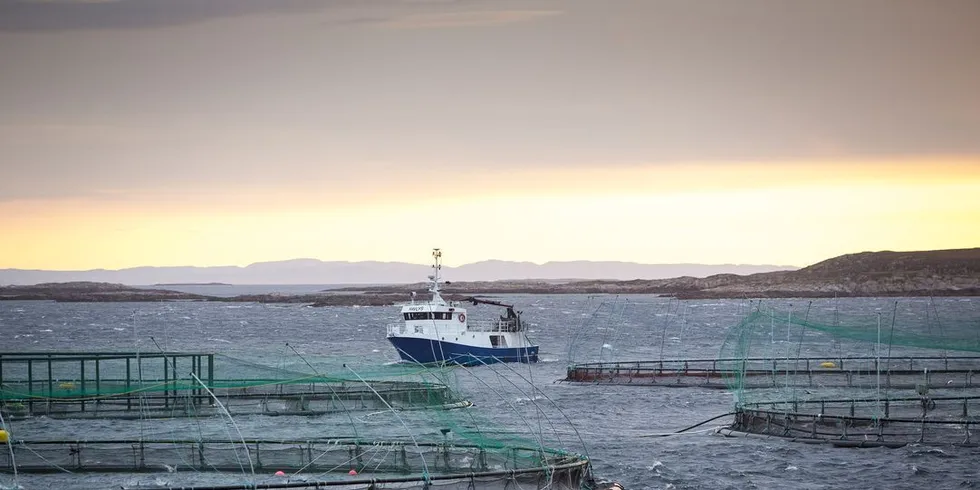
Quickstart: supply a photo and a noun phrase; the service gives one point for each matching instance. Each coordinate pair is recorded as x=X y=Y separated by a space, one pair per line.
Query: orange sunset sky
x=179 y=132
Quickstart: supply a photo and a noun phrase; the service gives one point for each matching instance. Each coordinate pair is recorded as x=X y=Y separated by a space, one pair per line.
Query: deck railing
x=492 y=326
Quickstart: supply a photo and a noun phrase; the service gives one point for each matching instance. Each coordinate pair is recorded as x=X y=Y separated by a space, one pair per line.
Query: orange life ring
x=462 y=318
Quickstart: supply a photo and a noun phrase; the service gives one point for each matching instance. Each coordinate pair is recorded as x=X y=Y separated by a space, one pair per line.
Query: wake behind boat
x=439 y=332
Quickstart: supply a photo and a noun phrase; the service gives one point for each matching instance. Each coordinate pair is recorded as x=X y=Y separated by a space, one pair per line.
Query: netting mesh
x=131 y=385
x=900 y=373
x=650 y=340
x=861 y=371
x=614 y=328
x=391 y=422
x=781 y=354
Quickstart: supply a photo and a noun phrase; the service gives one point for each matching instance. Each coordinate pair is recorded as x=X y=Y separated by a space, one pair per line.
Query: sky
x=227 y=132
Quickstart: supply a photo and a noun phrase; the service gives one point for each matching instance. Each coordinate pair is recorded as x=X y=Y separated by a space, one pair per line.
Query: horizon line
x=322 y=261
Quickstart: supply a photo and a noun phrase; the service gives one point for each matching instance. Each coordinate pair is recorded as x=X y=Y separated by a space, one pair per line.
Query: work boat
x=439 y=332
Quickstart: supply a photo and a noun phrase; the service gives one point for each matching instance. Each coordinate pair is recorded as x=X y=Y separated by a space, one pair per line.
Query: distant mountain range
x=875 y=274
x=312 y=271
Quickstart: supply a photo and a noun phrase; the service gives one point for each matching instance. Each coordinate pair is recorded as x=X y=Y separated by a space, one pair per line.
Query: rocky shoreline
x=867 y=274
x=97 y=292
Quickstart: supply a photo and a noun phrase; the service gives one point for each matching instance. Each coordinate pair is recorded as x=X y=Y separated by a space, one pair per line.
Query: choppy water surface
x=617 y=423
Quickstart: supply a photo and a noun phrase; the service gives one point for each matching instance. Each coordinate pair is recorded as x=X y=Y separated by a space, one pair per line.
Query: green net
x=817 y=371
x=131 y=384
x=649 y=340
x=203 y=412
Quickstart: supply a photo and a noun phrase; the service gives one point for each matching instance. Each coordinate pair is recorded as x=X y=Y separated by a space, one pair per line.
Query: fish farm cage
x=904 y=374
x=318 y=463
x=644 y=341
x=207 y=421
x=175 y=384
x=879 y=372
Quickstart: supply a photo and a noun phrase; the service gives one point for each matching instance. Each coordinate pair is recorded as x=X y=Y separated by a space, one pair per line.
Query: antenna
x=437 y=266
x=437 y=254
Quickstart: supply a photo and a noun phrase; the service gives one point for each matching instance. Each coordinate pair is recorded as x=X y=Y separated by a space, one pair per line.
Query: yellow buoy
x=4 y=437
x=67 y=386
x=827 y=364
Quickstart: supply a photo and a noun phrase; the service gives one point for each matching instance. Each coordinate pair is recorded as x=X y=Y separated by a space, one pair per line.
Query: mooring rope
x=248 y=456
x=689 y=428
x=10 y=446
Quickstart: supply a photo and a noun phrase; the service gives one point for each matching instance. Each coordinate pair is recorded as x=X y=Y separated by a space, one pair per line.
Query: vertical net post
x=30 y=386
x=129 y=391
x=50 y=378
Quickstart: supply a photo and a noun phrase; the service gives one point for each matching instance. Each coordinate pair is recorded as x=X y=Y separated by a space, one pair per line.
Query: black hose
x=691 y=427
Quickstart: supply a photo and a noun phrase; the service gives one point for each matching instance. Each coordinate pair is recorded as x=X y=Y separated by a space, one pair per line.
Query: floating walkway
x=179 y=384
x=894 y=372
x=870 y=422
x=347 y=463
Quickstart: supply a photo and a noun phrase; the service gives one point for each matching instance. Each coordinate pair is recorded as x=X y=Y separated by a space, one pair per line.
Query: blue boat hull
x=425 y=351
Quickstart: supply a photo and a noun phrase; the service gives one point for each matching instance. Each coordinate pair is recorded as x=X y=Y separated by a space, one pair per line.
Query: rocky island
x=172 y=284
x=92 y=292
x=106 y=292
x=930 y=273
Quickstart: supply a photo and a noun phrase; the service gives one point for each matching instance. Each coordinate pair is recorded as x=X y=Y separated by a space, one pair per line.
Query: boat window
x=428 y=315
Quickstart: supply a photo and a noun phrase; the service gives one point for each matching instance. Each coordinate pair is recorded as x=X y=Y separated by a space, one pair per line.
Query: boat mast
x=435 y=277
